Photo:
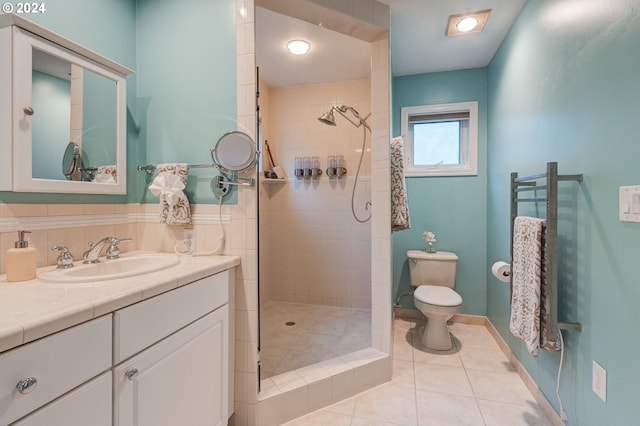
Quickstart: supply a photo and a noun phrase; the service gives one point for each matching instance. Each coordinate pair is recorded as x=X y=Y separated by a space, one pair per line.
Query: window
x=441 y=140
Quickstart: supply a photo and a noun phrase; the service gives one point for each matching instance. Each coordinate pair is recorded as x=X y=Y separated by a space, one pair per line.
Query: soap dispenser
x=21 y=260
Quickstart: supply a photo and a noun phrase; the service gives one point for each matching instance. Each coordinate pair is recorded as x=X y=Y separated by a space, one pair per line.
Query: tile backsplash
x=74 y=225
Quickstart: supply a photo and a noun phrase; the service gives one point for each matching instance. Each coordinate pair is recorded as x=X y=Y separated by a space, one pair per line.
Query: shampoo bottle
x=21 y=260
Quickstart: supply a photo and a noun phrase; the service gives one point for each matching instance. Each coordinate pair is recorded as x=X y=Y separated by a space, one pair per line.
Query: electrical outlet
x=189 y=239
x=599 y=381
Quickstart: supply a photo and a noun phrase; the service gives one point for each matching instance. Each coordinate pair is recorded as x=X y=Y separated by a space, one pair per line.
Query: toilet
x=434 y=277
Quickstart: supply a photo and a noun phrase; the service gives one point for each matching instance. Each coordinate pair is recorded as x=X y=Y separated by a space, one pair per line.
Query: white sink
x=111 y=269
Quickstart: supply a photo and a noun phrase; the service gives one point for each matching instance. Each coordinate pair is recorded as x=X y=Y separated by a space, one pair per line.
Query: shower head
x=329 y=119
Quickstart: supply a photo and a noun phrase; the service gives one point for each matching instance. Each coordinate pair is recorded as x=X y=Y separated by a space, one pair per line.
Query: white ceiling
x=418 y=43
x=332 y=57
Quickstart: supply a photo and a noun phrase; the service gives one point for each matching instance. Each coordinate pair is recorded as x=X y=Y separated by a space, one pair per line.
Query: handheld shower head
x=329 y=119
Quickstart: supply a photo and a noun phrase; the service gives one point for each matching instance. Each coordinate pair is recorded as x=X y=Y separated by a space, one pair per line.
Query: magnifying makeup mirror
x=234 y=152
x=70 y=160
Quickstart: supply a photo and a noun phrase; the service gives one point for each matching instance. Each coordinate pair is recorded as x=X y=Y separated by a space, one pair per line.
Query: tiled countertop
x=33 y=309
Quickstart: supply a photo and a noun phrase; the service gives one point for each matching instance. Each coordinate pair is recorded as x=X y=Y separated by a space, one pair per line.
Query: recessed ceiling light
x=466 y=23
x=298 y=47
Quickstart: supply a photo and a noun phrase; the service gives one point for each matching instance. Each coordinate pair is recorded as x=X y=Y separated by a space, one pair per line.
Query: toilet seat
x=437 y=295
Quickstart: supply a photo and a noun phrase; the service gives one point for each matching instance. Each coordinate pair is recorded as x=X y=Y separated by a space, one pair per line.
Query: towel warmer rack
x=220 y=180
x=530 y=183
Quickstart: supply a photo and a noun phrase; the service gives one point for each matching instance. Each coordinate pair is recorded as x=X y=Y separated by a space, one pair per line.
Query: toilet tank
x=437 y=268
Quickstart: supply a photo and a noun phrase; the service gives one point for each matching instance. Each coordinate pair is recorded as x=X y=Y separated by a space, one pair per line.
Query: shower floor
x=318 y=333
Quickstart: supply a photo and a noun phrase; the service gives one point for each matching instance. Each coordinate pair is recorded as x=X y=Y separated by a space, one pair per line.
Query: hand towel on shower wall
x=168 y=185
x=526 y=273
x=399 y=203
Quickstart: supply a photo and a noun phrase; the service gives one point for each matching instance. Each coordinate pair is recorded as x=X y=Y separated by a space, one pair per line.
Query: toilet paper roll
x=501 y=270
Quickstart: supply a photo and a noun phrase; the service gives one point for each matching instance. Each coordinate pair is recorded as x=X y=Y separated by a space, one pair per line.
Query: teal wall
x=50 y=133
x=454 y=208
x=182 y=97
x=98 y=120
x=186 y=86
x=564 y=87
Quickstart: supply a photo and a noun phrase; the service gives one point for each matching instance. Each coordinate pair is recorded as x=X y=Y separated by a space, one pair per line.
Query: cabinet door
x=89 y=404
x=181 y=380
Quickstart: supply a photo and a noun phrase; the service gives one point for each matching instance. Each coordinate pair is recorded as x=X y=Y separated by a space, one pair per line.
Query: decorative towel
x=526 y=273
x=168 y=185
x=399 y=202
x=106 y=174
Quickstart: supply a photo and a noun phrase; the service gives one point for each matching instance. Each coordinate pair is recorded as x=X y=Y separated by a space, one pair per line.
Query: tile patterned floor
x=320 y=333
x=472 y=384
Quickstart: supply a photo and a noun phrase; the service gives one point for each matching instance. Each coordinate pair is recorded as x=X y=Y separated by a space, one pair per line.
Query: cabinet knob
x=28 y=110
x=131 y=374
x=25 y=386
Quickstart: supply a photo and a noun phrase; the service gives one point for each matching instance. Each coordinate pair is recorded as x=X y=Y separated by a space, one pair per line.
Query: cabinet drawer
x=59 y=363
x=89 y=404
x=141 y=325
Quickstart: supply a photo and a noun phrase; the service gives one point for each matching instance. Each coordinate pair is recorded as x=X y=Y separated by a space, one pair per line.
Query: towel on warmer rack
x=549 y=339
x=526 y=271
x=399 y=203
x=168 y=185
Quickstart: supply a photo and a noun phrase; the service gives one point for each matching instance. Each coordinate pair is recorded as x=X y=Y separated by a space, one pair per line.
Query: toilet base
x=436 y=335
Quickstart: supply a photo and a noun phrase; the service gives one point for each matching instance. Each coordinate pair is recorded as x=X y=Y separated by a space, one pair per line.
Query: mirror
x=234 y=152
x=70 y=104
x=71 y=161
x=68 y=116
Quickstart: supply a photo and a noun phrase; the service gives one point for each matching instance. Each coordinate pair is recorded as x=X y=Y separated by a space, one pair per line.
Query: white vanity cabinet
x=167 y=360
x=49 y=368
x=179 y=379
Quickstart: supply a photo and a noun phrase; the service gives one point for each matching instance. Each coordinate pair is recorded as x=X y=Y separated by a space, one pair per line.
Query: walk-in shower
x=329 y=119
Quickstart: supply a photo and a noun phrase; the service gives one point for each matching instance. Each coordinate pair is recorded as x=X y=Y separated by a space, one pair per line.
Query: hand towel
x=526 y=271
x=106 y=174
x=399 y=202
x=169 y=185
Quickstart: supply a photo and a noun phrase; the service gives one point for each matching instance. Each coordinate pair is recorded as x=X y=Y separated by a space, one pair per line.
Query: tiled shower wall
x=318 y=253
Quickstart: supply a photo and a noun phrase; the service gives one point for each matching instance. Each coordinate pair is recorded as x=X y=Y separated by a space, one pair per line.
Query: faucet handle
x=65 y=259
x=113 y=252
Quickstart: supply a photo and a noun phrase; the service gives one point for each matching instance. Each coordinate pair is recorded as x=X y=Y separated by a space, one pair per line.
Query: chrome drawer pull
x=131 y=374
x=25 y=386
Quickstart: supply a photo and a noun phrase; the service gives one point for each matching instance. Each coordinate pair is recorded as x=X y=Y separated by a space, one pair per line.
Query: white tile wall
x=317 y=252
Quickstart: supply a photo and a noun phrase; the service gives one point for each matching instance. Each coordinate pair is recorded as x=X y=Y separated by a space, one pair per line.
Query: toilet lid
x=437 y=295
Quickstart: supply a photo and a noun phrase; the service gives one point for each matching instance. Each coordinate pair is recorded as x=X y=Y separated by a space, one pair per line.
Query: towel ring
x=234 y=152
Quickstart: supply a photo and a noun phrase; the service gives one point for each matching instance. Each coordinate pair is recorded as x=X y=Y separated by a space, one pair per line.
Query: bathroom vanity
x=146 y=350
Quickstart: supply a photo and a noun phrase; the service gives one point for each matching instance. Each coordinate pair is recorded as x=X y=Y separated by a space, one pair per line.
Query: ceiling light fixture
x=298 y=47
x=465 y=23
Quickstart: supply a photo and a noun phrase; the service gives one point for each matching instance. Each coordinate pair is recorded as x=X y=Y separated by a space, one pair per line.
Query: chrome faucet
x=113 y=252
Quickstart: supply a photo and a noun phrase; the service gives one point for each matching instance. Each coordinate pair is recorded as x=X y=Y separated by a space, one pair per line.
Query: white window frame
x=469 y=145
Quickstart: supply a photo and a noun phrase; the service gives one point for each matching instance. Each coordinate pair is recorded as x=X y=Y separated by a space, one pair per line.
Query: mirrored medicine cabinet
x=62 y=114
